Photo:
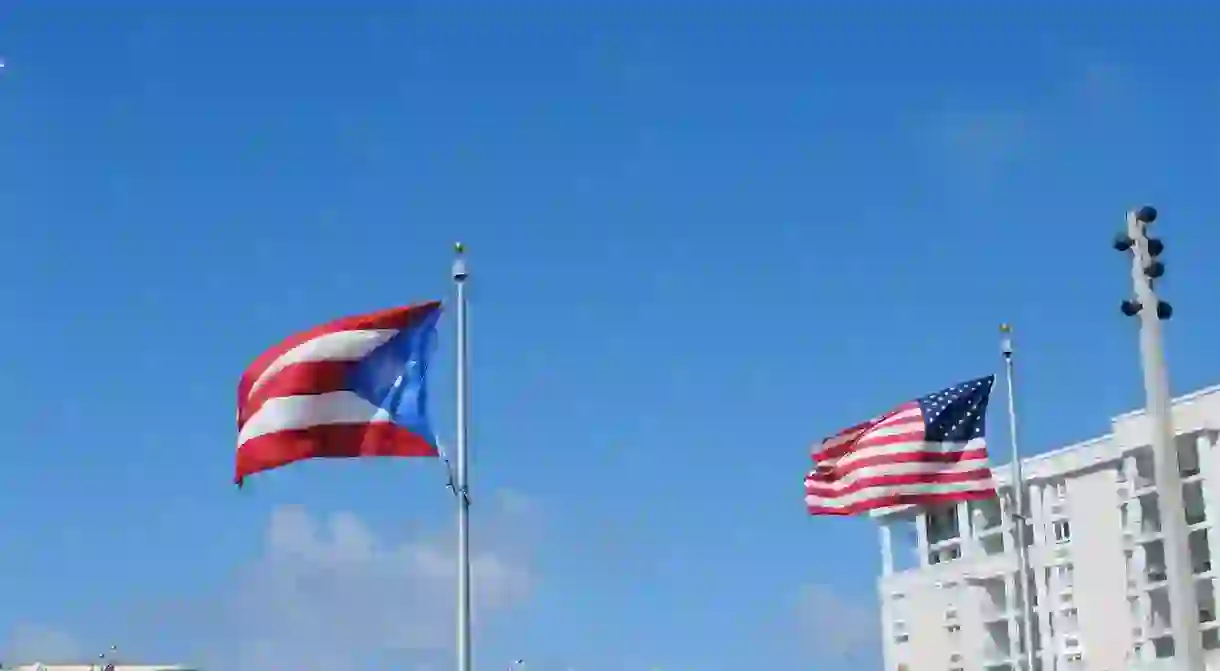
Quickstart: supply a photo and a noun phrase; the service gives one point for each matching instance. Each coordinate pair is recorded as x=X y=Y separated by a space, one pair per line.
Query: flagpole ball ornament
x=1006 y=340
x=459 y=263
x=1146 y=214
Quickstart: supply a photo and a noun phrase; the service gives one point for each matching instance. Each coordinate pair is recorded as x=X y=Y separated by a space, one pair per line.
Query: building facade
x=948 y=589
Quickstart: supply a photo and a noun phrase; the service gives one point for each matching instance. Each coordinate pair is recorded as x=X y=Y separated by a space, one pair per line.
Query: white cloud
x=332 y=593
x=28 y=642
x=837 y=627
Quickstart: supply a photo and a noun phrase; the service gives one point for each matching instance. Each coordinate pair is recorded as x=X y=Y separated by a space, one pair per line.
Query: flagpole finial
x=1006 y=340
x=1005 y=328
x=459 y=262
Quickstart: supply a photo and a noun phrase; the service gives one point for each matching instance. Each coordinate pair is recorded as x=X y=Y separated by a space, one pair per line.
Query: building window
x=1065 y=573
x=1063 y=531
x=900 y=631
x=944 y=553
x=942 y=524
x=1211 y=639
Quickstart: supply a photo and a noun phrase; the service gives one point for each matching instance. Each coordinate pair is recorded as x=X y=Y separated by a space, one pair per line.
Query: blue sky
x=699 y=239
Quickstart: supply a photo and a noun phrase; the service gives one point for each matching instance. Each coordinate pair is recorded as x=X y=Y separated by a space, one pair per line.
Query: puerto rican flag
x=354 y=387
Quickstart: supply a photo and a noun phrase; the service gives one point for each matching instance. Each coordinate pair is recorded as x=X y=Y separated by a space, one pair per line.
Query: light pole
x=1146 y=269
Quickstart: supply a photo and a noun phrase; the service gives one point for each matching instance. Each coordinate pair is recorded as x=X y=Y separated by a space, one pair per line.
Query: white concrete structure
x=1097 y=573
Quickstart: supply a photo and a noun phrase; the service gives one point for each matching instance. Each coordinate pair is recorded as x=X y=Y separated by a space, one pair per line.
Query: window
x=954 y=629
x=1065 y=573
x=1063 y=531
x=942 y=524
x=945 y=553
x=1211 y=639
x=1070 y=621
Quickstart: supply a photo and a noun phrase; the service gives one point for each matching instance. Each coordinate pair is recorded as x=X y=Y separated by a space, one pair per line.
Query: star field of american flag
x=956 y=414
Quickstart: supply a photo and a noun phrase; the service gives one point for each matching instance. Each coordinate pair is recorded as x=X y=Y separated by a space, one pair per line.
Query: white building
x=1097 y=559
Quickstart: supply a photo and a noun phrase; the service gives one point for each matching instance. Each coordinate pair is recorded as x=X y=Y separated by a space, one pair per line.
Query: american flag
x=354 y=387
x=928 y=451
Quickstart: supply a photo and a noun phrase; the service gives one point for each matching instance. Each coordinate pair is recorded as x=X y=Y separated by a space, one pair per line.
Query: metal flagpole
x=1019 y=515
x=460 y=479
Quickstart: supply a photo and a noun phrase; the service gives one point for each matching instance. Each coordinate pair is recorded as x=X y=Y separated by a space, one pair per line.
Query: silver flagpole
x=460 y=480
x=1019 y=516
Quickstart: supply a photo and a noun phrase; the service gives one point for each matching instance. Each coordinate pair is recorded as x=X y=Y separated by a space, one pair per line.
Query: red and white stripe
x=887 y=462
x=293 y=402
